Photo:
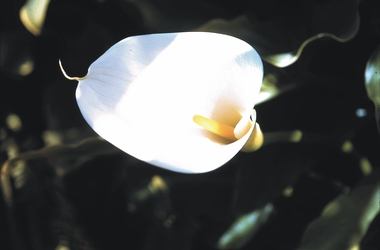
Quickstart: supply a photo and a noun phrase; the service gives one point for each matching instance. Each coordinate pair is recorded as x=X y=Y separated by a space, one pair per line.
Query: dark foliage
x=100 y=198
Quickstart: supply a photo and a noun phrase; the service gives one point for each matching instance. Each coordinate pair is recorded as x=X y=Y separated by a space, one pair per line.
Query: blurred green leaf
x=62 y=157
x=244 y=228
x=271 y=88
x=345 y=220
x=281 y=36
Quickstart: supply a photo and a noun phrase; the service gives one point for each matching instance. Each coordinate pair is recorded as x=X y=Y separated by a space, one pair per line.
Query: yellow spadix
x=215 y=127
x=253 y=143
x=180 y=101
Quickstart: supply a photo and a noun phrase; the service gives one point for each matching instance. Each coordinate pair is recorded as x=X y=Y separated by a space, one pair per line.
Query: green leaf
x=344 y=221
x=244 y=228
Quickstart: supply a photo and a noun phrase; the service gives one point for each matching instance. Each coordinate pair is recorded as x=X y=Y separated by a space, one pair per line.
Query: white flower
x=158 y=96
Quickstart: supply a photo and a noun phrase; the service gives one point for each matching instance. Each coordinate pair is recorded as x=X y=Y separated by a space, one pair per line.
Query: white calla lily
x=158 y=96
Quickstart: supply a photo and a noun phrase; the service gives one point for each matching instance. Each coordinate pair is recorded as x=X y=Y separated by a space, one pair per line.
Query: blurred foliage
x=346 y=219
x=280 y=36
x=64 y=188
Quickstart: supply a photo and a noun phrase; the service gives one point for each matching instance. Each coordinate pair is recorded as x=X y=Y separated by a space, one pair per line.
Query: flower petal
x=142 y=94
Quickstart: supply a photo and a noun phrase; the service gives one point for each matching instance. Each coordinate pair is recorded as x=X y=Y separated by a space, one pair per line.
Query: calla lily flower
x=180 y=101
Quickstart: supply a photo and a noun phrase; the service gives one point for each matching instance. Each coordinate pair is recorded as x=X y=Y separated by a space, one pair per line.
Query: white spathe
x=142 y=94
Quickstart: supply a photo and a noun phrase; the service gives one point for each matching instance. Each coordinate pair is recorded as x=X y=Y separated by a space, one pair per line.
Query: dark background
x=98 y=205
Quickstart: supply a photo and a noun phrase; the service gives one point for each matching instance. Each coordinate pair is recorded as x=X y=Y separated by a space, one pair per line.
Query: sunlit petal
x=142 y=96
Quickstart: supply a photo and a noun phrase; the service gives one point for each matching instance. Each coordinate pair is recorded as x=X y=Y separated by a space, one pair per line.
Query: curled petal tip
x=245 y=124
x=70 y=77
x=255 y=140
